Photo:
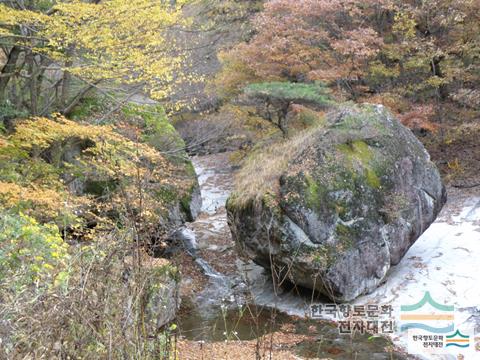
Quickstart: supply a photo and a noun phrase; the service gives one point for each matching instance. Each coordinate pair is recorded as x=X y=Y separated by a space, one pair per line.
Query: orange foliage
x=419 y=118
x=322 y=39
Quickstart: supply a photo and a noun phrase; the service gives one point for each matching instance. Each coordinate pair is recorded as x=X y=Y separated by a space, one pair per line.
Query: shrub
x=114 y=304
x=30 y=253
x=8 y=113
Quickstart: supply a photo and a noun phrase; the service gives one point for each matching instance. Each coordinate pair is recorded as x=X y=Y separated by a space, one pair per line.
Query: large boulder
x=161 y=296
x=346 y=207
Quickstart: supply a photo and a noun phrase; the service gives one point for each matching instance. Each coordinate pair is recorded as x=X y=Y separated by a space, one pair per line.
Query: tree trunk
x=65 y=87
x=9 y=70
x=282 y=119
x=66 y=81
x=32 y=85
x=40 y=79
x=437 y=71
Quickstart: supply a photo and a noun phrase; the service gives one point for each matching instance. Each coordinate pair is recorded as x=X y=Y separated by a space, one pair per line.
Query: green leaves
x=315 y=93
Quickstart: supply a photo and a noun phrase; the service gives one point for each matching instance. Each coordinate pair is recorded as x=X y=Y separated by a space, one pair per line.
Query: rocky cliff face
x=348 y=205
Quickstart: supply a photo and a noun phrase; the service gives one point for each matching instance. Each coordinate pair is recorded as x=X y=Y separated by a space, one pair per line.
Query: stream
x=233 y=299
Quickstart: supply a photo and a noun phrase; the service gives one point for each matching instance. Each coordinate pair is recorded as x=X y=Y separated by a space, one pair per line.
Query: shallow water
x=245 y=322
x=250 y=322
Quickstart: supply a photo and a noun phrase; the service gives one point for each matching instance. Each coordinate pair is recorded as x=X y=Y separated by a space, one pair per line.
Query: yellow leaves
x=436 y=81
x=455 y=169
x=48 y=266
x=114 y=40
x=76 y=174
x=379 y=69
x=43 y=199
x=42 y=132
x=405 y=25
x=454 y=165
x=10 y=17
x=29 y=246
x=235 y=74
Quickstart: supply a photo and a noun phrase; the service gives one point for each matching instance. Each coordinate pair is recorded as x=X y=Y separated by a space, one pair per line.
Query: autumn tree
x=429 y=48
x=432 y=50
x=312 y=40
x=56 y=51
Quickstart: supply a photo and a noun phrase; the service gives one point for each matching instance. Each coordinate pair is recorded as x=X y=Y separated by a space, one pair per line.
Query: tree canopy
x=422 y=51
x=113 y=41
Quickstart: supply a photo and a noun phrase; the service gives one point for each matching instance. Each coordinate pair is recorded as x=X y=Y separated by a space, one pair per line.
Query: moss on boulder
x=331 y=225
